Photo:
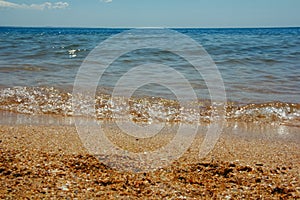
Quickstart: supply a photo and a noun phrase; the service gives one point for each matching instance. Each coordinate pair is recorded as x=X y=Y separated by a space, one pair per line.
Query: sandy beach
x=149 y=99
x=49 y=161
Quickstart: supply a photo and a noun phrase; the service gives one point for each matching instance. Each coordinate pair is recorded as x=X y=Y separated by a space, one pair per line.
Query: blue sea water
x=257 y=65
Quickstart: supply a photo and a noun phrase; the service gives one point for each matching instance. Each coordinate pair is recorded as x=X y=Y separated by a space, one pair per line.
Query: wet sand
x=250 y=161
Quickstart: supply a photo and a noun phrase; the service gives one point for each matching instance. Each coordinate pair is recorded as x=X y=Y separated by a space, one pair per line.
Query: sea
x=260 y=69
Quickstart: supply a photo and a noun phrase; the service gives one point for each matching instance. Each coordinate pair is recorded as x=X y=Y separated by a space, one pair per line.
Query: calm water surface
x=260 y=66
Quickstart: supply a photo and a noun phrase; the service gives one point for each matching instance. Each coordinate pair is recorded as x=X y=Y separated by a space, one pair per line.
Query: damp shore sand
x=49 y=161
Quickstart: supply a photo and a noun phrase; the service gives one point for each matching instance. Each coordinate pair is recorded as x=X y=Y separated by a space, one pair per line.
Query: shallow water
x=44 y=100
x=260 y=69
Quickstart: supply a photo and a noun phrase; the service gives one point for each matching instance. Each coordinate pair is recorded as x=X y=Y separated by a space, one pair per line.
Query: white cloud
x=60 y=5
x=46 y=5
x=9 y=4
x=106 y=1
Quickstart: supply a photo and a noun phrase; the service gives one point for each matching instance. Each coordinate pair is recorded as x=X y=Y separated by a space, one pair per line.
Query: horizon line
x=145 y=27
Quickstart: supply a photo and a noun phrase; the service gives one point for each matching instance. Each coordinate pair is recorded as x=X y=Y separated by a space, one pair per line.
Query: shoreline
x=42 y=161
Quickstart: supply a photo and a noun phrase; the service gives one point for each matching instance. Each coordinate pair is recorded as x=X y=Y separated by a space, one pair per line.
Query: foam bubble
x=49 y=100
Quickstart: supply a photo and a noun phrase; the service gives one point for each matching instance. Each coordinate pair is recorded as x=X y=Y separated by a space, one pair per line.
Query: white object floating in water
x=72 y=53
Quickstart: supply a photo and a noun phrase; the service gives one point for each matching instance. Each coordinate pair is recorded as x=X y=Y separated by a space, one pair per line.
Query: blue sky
x=150 y=13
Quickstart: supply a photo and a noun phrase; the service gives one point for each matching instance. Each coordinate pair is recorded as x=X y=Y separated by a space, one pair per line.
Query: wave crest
x=49 y=100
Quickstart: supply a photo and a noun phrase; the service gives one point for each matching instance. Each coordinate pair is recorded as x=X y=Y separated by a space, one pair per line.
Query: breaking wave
x=49 y=100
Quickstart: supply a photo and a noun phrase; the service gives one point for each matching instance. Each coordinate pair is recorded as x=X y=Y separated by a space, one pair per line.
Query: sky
x=150 y=13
